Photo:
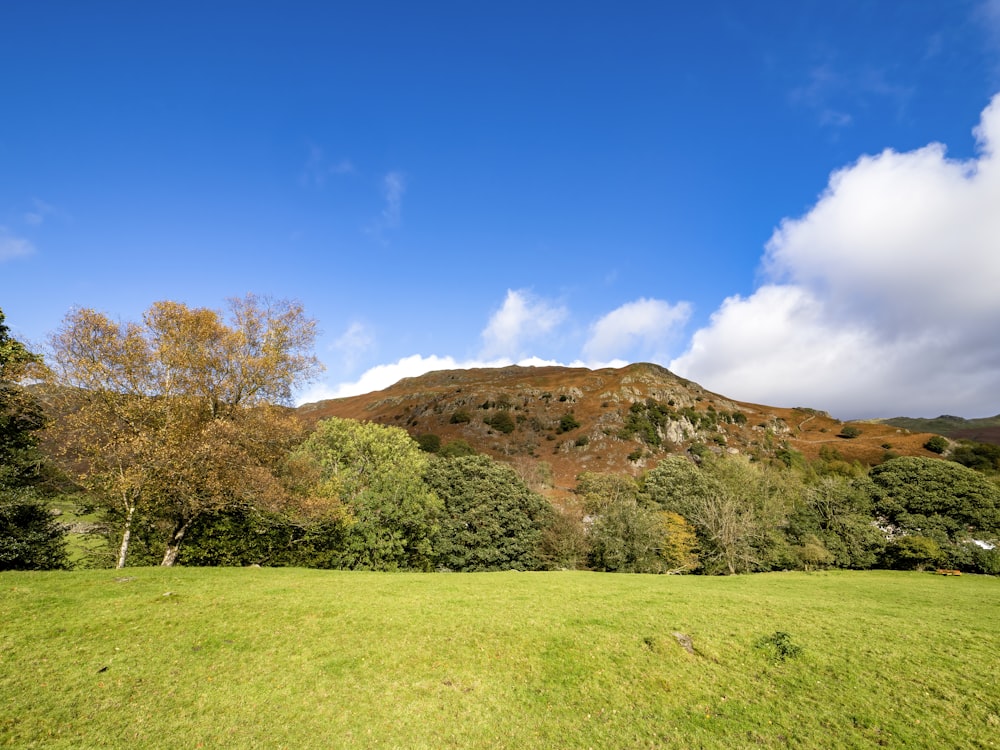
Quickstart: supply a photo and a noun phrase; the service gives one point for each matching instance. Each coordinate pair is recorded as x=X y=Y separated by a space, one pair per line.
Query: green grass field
x=284 y=658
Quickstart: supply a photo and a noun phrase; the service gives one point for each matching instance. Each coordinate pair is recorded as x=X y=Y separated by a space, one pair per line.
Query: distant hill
x=984 y=430
x=553 y=423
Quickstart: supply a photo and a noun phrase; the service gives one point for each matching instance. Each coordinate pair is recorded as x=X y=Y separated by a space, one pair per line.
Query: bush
x=936 y=444
x=30 y=538
x=850 y=432
x=567 y=422
x=913 y=552
x=429 y=443
x=501 y=422
x=461 y=417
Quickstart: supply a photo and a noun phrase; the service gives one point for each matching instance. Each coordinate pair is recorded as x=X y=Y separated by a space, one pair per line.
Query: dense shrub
x=30 y=538
x=490 y=519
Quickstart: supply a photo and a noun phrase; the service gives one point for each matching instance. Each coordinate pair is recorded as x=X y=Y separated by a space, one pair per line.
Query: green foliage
x=646 y=420
x=984 y=457
x=456 y=448
x=374 y=474
x=936 y=444
x=564 y=544
x=738 y=509
x=913 y=492
x=626 y=534
x=429 y=442
x=779 y=646
x=461 y=416
x=490 y=520
x=30 y=538
x=582 y=441
x=566 y=423
x=501 y=421
x=913 y=552
x=835 y=514
x=21 y=416
x=850 y=431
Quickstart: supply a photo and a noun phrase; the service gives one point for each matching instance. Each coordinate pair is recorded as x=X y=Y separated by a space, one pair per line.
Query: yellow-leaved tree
x=183 y=413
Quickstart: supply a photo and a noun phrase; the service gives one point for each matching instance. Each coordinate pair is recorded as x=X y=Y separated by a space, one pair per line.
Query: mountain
x=553 y=423
x=984 y=430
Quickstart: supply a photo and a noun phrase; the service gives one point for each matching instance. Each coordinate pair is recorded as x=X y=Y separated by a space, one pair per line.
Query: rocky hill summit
x=552 y=423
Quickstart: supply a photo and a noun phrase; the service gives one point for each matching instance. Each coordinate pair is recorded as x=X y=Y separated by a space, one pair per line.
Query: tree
x=835 y=512
x=491 y=520
x=21 y=416
x=922 y=494
x=624 y=535
x=30 y=538
x=736 y=507
x=372 y=475
x=179 y=415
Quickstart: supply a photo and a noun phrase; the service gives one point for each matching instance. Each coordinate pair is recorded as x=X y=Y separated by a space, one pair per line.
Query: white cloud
x=884 y=298
x=317 y=168
x=36 y=216
x=381 y=377
x=393 y=188
x=353 y=343
x=522 y=318
x=13 y=247
x=642 y=327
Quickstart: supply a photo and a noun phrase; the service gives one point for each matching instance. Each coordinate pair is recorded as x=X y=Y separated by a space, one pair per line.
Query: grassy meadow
x=290 y=658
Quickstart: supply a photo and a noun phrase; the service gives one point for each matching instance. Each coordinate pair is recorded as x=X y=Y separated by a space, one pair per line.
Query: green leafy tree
x=913 y=552
x=984 y=457
x=30 y=538
x=835 y=512
x=737 y=508
x=491 y=519
x=625 y=536
x=918 y=494
x=373 y=474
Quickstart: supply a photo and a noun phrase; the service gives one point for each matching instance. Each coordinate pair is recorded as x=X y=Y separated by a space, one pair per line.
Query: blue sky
x=794 y=203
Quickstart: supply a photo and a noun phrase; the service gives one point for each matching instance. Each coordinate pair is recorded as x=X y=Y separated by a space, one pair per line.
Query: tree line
x=177 y=430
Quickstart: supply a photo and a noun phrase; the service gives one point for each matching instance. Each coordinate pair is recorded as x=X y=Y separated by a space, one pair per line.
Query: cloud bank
x=883 y=299
x=645 y=325
x=522 y=318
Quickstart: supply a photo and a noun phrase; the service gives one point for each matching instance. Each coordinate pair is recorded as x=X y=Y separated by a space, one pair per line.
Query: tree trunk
x=126 y=537
x=174 y=545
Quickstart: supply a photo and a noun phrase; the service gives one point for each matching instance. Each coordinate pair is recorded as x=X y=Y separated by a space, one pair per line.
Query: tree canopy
x=922 y=493
x=30 y=538
x=491 y=520
x=370 y=477
x=179 y=415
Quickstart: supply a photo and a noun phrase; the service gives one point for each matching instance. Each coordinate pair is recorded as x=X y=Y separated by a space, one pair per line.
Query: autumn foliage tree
x=180 y=414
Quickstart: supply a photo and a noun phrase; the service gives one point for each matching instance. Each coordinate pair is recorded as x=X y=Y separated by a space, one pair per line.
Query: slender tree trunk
x=174 y=545
x=126 y=536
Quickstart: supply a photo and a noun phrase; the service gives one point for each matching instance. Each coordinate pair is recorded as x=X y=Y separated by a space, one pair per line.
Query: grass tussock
x=271 y=658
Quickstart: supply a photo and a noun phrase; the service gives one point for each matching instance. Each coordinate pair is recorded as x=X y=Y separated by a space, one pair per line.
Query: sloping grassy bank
x=269 y=658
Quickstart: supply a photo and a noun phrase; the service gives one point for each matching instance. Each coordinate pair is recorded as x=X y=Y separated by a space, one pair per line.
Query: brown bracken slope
x=549 y=452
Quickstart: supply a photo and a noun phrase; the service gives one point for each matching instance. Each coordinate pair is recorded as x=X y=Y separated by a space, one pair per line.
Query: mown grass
x=271 y=658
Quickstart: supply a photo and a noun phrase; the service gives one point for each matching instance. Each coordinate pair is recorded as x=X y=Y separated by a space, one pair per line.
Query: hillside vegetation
x=984 y=430
x=612 y=420
x=168 y=658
